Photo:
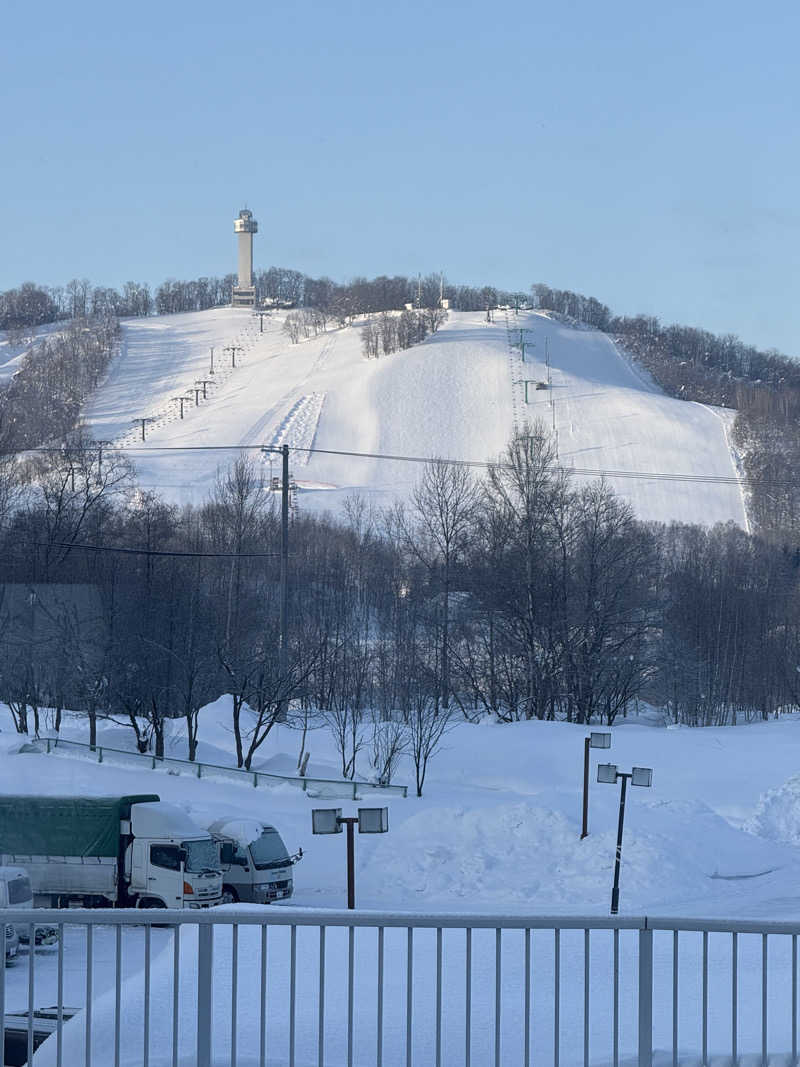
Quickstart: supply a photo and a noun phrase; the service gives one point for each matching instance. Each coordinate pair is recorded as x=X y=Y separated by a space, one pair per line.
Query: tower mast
x=244 y=294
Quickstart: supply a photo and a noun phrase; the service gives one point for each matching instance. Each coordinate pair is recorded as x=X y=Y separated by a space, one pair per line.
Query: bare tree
x=437 y=532
x=427 y=725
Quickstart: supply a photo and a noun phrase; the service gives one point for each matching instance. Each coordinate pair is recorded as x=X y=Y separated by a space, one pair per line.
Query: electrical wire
x=156 y=552
x=587 y=472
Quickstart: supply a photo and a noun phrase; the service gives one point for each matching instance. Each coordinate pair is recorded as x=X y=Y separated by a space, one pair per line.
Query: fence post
x=645 y=998
x=205 y=971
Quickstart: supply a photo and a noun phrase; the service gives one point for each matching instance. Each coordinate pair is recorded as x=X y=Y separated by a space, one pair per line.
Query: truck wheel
x=229 y=895
x=151 y=902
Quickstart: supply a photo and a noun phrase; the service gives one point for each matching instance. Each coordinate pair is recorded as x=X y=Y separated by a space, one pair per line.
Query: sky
x=646 y=155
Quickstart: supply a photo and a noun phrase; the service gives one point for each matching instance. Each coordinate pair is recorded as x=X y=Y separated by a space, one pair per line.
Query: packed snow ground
x=458 y=395
x=496 y=831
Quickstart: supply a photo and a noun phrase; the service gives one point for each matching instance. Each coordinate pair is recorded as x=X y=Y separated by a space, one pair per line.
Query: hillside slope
x=457 y=395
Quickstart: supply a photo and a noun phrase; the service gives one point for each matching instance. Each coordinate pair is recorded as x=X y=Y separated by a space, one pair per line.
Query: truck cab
x=256 y=867
x=15 y=892
x=171 y=862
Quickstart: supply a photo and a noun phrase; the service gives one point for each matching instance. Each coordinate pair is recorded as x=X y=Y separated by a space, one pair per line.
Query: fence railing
x=319 y=787
x=310 y=986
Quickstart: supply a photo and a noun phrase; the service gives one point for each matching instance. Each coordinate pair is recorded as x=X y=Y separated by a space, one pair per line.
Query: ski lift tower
x=244 y=294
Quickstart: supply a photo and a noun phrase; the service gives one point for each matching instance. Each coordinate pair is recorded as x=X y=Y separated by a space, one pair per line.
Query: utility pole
x=284 y=613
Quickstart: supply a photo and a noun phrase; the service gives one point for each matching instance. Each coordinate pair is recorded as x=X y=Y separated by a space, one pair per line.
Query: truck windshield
x=201 y=856
x=269 y=851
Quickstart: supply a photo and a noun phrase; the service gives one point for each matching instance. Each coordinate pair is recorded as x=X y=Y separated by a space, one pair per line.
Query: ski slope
x=458 y=395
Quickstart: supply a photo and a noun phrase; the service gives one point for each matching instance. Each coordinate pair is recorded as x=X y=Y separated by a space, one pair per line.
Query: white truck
x=256 y=867
x=16 y=894
x=120 y=851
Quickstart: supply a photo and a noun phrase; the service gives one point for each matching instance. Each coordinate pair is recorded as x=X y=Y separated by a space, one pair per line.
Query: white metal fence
x=317 y=787
x=295 y=987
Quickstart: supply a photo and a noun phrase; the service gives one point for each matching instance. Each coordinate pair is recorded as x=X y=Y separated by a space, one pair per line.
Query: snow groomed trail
x=457 y=395
x=608 y=417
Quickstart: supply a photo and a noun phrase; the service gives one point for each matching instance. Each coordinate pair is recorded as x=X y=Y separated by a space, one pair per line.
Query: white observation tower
x=244 y=294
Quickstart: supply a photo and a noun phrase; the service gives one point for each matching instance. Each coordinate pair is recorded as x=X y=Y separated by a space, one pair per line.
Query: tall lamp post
x=331 y=821
x=608 y=774
x=594 y=740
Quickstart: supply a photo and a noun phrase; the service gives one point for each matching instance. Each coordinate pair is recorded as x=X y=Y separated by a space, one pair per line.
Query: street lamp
x=608 y=774
x=331 y=821
x=594 y=740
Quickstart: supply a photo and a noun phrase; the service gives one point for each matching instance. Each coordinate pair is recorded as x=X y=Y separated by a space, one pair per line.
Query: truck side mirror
x=183 y=856
x=226 y=853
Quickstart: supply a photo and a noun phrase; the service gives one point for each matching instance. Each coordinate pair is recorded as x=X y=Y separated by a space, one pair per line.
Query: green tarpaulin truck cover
x=64 y=826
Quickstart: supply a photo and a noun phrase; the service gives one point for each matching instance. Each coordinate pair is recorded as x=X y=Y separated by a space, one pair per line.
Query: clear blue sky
x=644 y=154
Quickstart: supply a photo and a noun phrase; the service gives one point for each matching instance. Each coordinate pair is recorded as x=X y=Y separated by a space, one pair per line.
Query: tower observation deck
x=244 y=294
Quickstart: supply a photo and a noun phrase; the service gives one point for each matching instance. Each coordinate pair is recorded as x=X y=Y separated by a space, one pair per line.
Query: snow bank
x=777 y=815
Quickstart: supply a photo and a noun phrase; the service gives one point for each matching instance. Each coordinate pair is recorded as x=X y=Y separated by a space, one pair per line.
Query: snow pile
x=242 y=831
x=523 y=856
x=777 y=814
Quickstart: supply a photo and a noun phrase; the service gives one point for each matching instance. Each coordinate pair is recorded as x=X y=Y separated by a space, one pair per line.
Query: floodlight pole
x=618 y=860
x=350 y=821
x=284 y=588
x=592 y=740
x=585 y=824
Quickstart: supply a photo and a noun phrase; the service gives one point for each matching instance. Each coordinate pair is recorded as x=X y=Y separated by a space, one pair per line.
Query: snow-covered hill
x=458 y=395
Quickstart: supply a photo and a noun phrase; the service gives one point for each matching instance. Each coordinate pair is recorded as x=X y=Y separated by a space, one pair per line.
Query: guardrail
x=317 y=787
x=309 y=986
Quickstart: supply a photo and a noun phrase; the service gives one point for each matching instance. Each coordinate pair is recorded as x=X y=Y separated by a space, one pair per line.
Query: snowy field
x=496 y=832
x=458 y=395
x=498 y=826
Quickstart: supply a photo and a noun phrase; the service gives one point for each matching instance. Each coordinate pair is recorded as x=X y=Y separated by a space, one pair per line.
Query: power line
x=588 y=472
x=156 y=552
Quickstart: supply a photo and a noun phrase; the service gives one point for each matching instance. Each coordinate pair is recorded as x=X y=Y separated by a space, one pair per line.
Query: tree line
x=520 y=594
x=41 y=403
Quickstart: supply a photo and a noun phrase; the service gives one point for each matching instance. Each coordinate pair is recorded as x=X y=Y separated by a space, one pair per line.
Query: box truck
x=119 y=851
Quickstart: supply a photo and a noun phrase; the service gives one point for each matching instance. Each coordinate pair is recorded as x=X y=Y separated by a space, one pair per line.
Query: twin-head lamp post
x=331 y=821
